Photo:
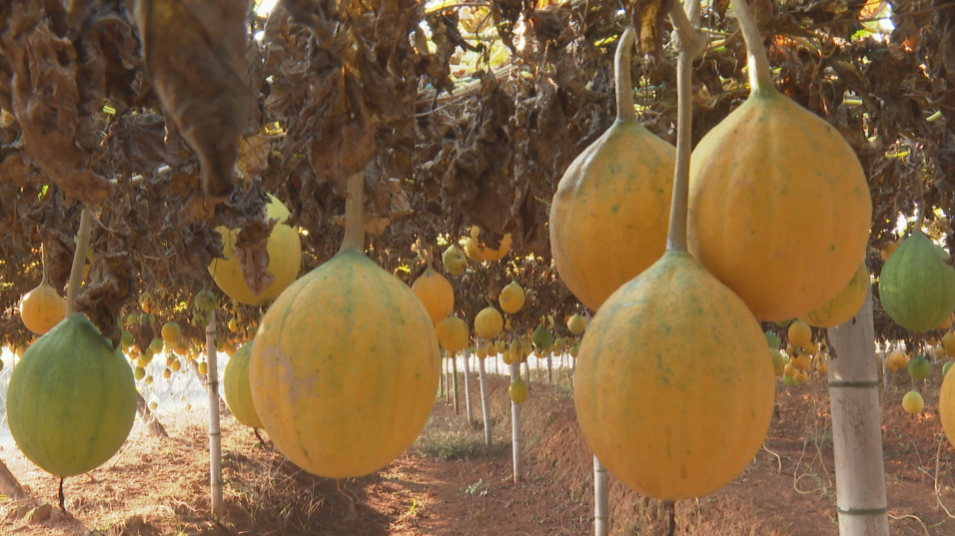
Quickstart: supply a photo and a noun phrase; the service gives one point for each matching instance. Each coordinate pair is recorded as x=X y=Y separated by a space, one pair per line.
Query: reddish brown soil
x=158 y=486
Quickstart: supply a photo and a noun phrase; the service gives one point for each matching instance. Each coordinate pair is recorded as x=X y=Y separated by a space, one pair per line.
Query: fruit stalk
x=622 y=85
x=79 y=260
x=691 y=45
x=355 y=214
x=757 y=62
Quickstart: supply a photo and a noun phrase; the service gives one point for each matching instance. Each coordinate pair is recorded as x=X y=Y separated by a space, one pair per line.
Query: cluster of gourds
x=795 y=237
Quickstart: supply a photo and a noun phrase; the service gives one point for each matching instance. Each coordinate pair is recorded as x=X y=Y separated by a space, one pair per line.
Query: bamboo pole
x=527 y=371
x=467 y=387
x=485 y=407
x=550 y=368
x=215 y=436
x=601 y=499
x=441 y=381
x=516 y=427
x=856 y=427
x=454 y=381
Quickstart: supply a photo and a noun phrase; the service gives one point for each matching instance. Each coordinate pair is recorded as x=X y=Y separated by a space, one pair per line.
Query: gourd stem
x=355 y=213
x=691 y=44
x=921 y=217
x=758 y=63
x=79 y=260
x=46 y=273
x=621 y=72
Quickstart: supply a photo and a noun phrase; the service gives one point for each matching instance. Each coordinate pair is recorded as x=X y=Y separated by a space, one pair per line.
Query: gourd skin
x=844 y=305
x=946 y=405
x=779 y=207
x=615 y=192
x=916 y=286
x=346 y=399
x=673 y=389
x=235 y=385
x=42 y=308
x=285 y=259
x=71 y=400
x=436 y=293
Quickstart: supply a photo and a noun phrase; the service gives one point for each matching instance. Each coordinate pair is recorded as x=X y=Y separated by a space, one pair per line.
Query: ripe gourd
x=345 y=363
x=665 y=422
x=486 y=252
x=844 y=305
x=780 y=208
x=800 y=334
x=608 y=218
x=517 y=391
x=917 y=287
x=71 y=400
x=435 y=293
x=42 y=308
x=285 y=259
x=946 y=404
x=511 y=298
x=235 y=384
x=452 y=334
x=488 y=323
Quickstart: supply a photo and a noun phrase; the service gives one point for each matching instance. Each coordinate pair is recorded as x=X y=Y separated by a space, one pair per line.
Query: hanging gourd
x=42 y=308
x=452 y=334
x=486 y=252
x=917 y=286
x=71 y=400
x=780 y=209
x=488 y=323
x=844 y=305
x=663 y=421
x=608 y=218
x=435 y=293
x=946 y=404
x=346 y=362
x=577 y=323
x=511 y=298
x=235 y=386
x=285 y=258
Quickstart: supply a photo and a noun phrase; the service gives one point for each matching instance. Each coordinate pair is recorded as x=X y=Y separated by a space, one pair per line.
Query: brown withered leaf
x=195 y=55
x=45 y=97
x=253 y=256
x=649 y=17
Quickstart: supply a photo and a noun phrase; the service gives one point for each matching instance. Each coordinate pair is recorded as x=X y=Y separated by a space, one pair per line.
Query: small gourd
x=488 y=323
x=452 y=334
x=42 y=308
x=511 y=298
x=235 y=385
x=435 y=293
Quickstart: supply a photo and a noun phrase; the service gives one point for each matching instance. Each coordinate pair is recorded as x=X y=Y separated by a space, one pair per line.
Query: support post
x=485 y=407
x=516 y=427
x=467 y=387
x=601 y=499
x=215 y=437
x=856 y=427
x=454 y=381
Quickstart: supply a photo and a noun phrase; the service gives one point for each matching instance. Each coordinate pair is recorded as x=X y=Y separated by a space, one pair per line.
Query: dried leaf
x=195 y=54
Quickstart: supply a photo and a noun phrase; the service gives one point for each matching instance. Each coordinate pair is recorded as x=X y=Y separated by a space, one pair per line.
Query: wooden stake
x=215 y=436
x=454 y=381
x=550 y=368
x=601 y=499
x=857 y=428
x=485 y=407
x=516 y=427
x=467 y=387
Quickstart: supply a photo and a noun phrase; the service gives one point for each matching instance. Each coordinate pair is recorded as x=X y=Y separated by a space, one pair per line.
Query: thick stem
x=621 y=72
x=691 y=44
x=79 y=260
x=46 y=273
x=355 y=213
x=759 y=76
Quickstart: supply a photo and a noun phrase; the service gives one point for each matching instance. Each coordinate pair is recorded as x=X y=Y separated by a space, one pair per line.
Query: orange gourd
x=780 y=209
x=511 y=298
x=665 y=422
x=285 y=259
x=486 y=252
x=946 y=405
x=488 y=323
x=42 y=308
x=345 y=363
x=452 y=334
x=844 y=305
x=608 y=219
x=435 y=293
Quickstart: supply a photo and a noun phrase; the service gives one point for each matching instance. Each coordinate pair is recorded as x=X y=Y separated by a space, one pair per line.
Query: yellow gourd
x=780 y=209
x=42 y=308
x=608 y=219
x=488 y=323
x=452 y=334
x=511 y=298
x=435 y=293
x=345 y=363
x=285 y=259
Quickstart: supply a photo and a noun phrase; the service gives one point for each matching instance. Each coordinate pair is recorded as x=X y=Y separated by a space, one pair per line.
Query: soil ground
x=450 y=484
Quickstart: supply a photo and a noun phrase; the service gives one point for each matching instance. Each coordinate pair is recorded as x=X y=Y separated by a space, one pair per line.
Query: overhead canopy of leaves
x=459 y=113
